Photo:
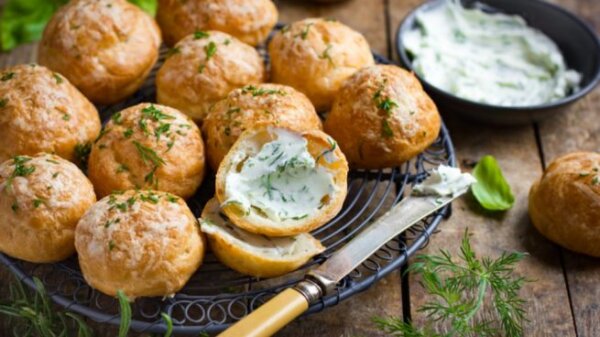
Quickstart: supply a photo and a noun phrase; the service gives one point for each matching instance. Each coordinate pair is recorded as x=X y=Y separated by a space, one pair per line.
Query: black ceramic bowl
x=577 y=41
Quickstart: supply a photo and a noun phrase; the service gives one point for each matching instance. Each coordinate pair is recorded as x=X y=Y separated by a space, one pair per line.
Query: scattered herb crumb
x=7 y=76
x=57 y=78
x=201 y=35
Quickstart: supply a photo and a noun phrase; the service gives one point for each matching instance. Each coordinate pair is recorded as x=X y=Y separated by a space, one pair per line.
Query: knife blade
x=292 y=302
x=399 y=218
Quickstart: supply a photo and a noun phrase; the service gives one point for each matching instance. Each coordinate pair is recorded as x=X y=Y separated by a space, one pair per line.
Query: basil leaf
x=491 y=189
x=148 y=6
x=23 y=21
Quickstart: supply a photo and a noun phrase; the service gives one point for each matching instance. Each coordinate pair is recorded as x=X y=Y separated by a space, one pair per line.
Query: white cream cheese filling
x=281 y=181
x=445 y=181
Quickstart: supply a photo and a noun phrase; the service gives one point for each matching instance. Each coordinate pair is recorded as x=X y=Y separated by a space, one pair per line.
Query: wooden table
x=564 y=300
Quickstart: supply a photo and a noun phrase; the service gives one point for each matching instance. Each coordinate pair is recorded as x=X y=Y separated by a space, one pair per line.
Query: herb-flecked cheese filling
x=281 y=181
x=491 y=58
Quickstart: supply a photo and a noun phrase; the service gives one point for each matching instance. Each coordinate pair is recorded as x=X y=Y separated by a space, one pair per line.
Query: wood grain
x=351 y=318
x=515 y=148
x=517 y=152
x=578 y=130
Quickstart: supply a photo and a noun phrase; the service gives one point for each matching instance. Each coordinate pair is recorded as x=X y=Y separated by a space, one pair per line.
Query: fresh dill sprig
x=459 y=290
x=31 y=313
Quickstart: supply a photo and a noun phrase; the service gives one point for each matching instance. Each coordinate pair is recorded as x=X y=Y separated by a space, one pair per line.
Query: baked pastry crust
x=382 y=117
x=203 y=68
x=315 y=56
x=564 y=204
x=326 y=155
x=243 y=108
x=42 y=198
x=106 y=48
x=145 y=243
x=148 y=146
x=40 y=111
x=250 y=21
x=254 y=254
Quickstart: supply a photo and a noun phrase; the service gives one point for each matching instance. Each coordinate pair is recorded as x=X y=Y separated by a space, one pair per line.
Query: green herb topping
x=201 y=35
x=386 y=105
x=21 y=169
x=149 y=155
x=332 y=146
x=103 y=131
x=3 y=102
x=386 y=129
x=82 y=153
x=304 y=33
x=37 y=202
x=117 y=118
x=261 y=91
x=108 y=223
x=122 y=168
x=210 y=49
x=57 y=78
x=325 y=55
x=7 y=76
x=173 y=51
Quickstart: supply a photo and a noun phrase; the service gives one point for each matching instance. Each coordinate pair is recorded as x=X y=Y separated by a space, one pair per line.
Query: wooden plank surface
x=351 y=317
x=518 y=154
x=578 y=130
x=562 y=278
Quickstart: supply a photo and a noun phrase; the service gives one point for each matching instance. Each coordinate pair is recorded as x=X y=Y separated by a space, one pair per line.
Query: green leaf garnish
x=23 y=21
x=148 y=6
x=491 y=189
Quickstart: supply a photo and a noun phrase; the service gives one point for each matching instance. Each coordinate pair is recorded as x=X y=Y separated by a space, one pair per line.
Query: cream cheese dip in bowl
x=500 y=61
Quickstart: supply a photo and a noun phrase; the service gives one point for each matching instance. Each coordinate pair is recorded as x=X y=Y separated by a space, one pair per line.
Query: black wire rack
x=216 y=296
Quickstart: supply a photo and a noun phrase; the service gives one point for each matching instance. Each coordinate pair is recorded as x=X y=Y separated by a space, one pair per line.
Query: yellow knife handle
x=276 y=313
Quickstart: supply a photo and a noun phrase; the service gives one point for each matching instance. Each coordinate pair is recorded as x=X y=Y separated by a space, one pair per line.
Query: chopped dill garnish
x=200 y=35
